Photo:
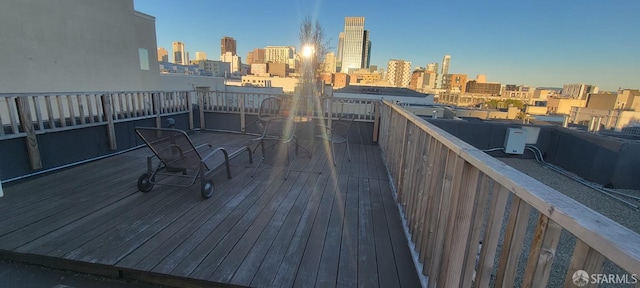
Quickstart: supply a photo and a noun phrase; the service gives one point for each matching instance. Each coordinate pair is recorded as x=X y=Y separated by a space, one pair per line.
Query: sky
x=542 y=43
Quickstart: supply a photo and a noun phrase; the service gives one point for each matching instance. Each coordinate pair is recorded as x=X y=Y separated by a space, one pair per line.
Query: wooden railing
x=26 y=115
x=455 y=196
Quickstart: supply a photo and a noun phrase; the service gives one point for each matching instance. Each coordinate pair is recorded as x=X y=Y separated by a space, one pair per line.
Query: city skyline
x=540 y=43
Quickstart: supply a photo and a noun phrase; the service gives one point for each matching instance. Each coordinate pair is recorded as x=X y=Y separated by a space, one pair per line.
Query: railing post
x=584 y=258
x=108 y=115
x=376 y=121
x=24 y=112
x=157 y=102
x=513 y=242
x=201 y=108
x=241 y=104
x=190 y=109
x=542 y=253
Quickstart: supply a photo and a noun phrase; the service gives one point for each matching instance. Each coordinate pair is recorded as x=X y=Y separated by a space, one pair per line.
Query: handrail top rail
x=614 y=241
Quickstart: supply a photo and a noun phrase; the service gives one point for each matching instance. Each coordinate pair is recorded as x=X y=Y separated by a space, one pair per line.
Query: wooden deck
x=324 y=226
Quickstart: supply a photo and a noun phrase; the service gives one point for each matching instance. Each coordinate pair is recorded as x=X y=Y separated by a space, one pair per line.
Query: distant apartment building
x=280 y=54
x=214 y=68
x=563 y=105
x=278 y=69
x=341 y=80
x=228 y=44
x=340 y=48
x=329 y=64
x=201 y=56
x=179 y=53
x=491 y=89
x=578 y=91
x=522 y=92
x=626 y=99
x=446 y=61
x=234 y=61
x=355 y=50
x=287 y=84
x=417 y=79
x=258 y=68
x=454 y=82
x=163 y=55
x=256 y=56
x=399 y=73
x=327 y=78
x=364 y=76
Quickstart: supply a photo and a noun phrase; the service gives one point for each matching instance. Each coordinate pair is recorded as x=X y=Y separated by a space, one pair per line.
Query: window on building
x=143 y=54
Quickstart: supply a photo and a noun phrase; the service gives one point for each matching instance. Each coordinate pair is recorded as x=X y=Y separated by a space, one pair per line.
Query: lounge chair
x=178 y=157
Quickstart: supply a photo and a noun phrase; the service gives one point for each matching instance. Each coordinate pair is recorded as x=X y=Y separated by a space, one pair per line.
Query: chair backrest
x=343 y=124
x=169 y=145
x=269 y=108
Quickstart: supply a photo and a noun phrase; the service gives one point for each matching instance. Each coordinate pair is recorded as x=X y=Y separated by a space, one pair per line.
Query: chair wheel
x=207 y=189
x=144 y=185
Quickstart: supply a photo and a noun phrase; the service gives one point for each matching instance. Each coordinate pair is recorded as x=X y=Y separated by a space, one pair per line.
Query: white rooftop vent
x=515 y=140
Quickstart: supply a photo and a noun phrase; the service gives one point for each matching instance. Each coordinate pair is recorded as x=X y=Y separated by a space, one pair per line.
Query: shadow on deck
x=323 y=226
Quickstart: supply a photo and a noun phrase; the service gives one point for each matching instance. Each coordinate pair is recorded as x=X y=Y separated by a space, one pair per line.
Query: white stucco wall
x=75 y=45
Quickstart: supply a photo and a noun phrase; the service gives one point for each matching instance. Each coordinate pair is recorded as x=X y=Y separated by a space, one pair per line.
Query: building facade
x=329 y=64
x=454 y=82
x=355 y=50
x=475 y=87
x=201 y=56
x=163 y=55
x=279 y=54
x=179 y=53
x=578 y=91
x=228 y=44
x=399 y=73
x=446 y=61
x=233 y=60
x=257 y=56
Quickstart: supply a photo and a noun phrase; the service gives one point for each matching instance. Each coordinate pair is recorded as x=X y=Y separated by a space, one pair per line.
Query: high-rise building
x=179 y=53
x=454 y=82
x=340 y=47
x=227 y=44
x=163 y=55
x=233 y=59
x=356 y=46
x=201 y=56
x=256 y=56
x=432 y=67
x=399 y=73
x=446 y=60
x=579 y=91
x=279 y=54
x=329 y=64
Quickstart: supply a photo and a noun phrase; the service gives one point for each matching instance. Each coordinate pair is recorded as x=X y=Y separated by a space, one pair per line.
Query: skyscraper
x=446 y=60
x=340 y=46
x=179 y=53
x=201 y=56
x=399 y=73
x=256 y=56
x=163 y=55
x=227 y=44
x=356 y=47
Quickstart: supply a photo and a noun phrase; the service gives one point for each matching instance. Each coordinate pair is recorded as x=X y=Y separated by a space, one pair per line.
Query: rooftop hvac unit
x=515 y=140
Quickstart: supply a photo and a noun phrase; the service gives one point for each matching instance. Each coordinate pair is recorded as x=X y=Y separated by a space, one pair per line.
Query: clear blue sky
x=534 y=42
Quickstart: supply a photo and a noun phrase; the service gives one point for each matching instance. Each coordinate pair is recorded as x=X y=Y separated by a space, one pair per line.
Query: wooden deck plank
x=329 y=260
x=348 y=265
x=325 y=226
x=150 y=255
x=270 y=218
x=404 y=261
x=277 y=251
x=367 y=266
x=248 y=268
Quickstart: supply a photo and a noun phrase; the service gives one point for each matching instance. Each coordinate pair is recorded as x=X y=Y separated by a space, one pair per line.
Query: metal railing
x=455 y=196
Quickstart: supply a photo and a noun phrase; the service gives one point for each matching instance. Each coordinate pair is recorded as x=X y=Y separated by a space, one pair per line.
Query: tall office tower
x=445 y=69
x=234 y=61
x=432 y=67
x=356 y=45
x=256 y=56
x=227 y=44
x=340 y=48
x=201 y=56
x=163 y=55
x=399 y=73
x=279 y=54
x=179 y=54
x=329 y=64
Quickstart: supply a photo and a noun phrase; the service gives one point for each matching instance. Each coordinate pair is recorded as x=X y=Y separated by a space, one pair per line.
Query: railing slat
x=27 y=126
x=81 y=109
x=513 y=242
x=61 y=115
x=72 y=114
x=422 y=168
x=498 y=206
x=437 y=160
x=459 y=227
x=52 y=121
x=11 y=106
x=88 y=98
x=542 y=253
x=587 y=259
x=478 y=215
x=38 y=111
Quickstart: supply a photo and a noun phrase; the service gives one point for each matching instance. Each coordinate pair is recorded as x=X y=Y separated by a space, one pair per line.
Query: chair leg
x=348 y=151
